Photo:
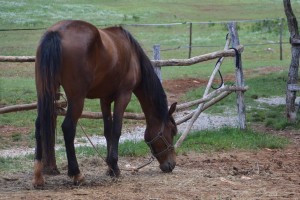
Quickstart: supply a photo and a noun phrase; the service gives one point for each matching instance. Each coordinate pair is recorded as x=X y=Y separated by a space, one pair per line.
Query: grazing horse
x=108 y=64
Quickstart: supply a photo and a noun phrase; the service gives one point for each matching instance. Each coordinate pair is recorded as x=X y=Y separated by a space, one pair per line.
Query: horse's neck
x=147 y=107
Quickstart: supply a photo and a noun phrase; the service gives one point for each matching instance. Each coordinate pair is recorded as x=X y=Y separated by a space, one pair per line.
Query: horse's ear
x=172 y=108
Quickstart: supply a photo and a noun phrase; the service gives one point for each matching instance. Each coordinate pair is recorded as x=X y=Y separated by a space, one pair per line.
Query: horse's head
x=161 y=142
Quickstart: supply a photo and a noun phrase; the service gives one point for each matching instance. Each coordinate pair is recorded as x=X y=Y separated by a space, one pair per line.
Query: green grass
x=31 y=13
x=17 y=164
x=272 y=117
x=16 y=90
x=19 y=119
x=229 y=138
x=225 y=139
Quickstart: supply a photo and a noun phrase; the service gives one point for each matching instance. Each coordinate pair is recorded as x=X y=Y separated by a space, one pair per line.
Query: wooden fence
x=205 y=102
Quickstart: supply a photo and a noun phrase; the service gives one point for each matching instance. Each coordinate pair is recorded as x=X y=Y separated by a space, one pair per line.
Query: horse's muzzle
x=167 y=166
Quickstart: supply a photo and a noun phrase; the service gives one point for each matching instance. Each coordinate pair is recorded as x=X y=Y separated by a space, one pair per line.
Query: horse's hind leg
x=49 y=165
x=38 y=179
x=69 y=129
x=41 y=165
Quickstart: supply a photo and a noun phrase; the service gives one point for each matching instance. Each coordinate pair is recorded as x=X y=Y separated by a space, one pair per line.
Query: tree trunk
x=239 y=77
x=291 y=112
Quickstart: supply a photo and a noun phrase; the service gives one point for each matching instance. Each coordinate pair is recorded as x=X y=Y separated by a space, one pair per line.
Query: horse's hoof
x=38 y=179
x=79 y=179
x=38 y=182
x=113 y=173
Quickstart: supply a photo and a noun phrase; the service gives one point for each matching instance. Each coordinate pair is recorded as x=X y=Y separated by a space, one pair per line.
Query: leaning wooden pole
x=239 y=76
x=291 y=112
x=201 y=105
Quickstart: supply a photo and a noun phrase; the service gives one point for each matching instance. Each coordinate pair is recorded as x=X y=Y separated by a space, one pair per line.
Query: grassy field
x=34 y=14
x=17 y=79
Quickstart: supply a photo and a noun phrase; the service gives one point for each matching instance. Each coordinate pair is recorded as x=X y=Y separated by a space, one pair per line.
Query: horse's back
x=75 y=34
x=96 y=63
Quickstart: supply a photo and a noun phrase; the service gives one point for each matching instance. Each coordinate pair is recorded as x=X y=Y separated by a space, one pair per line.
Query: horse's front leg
x=113 y=139
x=107 y=120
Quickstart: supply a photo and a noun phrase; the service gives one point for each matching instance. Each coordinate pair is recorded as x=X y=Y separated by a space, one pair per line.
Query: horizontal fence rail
x=170 y=62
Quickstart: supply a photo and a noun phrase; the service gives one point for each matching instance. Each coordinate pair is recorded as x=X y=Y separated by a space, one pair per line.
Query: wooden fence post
x=280 y=37
x=156 y=56
x=190 y=42
x=291 y=111
x=239 y=77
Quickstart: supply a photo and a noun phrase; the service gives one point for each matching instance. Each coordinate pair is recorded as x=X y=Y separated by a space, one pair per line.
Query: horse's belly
x=100 y=92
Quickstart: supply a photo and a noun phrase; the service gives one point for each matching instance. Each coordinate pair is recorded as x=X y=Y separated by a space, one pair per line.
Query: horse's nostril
x=168 y=167
x=171 y=166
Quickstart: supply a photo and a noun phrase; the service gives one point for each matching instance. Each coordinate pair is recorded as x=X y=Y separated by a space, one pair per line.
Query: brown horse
x=108 y=64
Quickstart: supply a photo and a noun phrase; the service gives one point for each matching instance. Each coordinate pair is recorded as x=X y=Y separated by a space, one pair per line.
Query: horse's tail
x=48 y=64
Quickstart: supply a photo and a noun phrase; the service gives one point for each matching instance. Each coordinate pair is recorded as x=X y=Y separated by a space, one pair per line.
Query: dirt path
x=264 y=174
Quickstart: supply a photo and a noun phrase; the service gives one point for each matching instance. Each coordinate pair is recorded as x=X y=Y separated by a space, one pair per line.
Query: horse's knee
x=68 y=129
x=67 y=125
x=38 y=179
x=37 y=123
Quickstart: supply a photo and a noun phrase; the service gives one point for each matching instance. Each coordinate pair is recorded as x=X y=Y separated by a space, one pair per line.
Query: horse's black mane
x=150 y=82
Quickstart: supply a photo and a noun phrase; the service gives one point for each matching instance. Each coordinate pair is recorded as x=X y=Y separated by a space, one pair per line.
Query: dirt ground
x=262 y=174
